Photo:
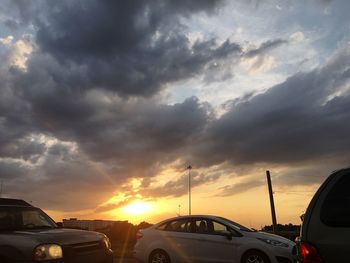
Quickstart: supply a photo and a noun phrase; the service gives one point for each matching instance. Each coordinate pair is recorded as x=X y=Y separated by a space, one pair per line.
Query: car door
x=213 y=244
x=180 y=241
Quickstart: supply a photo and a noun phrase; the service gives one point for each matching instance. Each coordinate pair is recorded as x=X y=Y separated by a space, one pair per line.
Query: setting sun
x=137 y=208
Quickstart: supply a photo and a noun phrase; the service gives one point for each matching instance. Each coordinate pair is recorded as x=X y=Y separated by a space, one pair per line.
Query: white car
x=204 y=238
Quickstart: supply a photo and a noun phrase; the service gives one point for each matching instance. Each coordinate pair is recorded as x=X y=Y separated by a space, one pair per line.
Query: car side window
x=162 y=227
x=34 y=218
x=219 y=228
x=6 y=220
x=200 y=226
x=335 y=210
x=209 y=227
x=181 y=225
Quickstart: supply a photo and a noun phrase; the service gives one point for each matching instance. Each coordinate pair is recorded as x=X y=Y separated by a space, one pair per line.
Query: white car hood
x=270 y=236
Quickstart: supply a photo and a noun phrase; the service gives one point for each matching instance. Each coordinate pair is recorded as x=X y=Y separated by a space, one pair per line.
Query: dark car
x=27 y=234
x=326 y=224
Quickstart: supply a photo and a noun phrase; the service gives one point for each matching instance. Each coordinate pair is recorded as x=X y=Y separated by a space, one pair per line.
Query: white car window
x=201 y=226
x=181 y=225
x=207 y=226
x=219 y=228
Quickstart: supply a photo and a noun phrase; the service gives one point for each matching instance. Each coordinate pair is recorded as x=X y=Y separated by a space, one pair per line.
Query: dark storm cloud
x=25 y=149
x=179 y=187
x=131 y=47
x=241 y=187
x=265 y=47
x=116 y=205
x=12 y=169
x=299 y=120
x=69 y=32
x=16 y=124
x=123 y=130
x=108 y=141
x=111 y=206
x=11 y=24
x=64 y=173
x=311 y=173
x=90 y=91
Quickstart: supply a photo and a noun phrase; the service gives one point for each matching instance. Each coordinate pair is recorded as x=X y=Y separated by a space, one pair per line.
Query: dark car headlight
x=47 y=252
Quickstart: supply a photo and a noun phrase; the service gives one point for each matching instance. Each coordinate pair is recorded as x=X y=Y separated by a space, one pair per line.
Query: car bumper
x=284 y=256
x=102 y=257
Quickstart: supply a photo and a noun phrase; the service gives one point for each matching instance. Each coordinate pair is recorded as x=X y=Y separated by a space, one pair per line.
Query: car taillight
x=309 y=254
x=139 y=235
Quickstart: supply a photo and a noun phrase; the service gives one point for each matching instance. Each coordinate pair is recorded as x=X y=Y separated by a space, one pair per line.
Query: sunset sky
x=103 y=105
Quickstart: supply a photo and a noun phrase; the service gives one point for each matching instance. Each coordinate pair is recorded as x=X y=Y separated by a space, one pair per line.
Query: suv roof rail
x=13 y=202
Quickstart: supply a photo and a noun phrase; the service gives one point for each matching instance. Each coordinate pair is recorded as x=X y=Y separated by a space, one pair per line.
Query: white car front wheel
x=255 y=256
x=159 y=256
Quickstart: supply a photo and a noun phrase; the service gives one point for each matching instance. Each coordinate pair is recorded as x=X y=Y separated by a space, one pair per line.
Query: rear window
x=335 y=210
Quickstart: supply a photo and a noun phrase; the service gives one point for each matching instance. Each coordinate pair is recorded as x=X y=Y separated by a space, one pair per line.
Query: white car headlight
x=273 y=242
x=47 y=252
x=107 y=243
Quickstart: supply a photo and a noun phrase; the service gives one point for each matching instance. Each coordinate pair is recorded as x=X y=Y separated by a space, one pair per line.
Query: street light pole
x=189 y=189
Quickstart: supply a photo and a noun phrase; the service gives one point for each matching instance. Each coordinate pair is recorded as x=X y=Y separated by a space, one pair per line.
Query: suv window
x=21 y=218
x=335 y=210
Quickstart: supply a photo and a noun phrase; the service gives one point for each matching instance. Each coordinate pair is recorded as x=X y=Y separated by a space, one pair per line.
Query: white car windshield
x=24 y=218
x=236 y=225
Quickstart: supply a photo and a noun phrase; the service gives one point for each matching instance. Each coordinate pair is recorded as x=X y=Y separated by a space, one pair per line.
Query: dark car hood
x=61 y=236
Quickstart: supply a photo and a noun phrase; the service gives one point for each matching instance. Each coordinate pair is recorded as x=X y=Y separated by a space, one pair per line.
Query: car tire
x=254 y=256
x=159 y=256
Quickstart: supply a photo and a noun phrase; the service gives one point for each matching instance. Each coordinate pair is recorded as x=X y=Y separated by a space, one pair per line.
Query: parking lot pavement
x=124 y=260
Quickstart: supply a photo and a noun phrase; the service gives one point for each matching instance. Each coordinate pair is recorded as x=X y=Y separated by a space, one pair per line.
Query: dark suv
x=325 y=233
x=27 y=234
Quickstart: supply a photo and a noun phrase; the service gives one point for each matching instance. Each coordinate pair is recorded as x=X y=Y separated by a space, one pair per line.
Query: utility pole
x=189 y=189
x=1 y=189
x=272 y=203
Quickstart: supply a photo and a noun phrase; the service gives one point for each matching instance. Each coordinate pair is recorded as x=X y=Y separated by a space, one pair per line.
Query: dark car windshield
x=24 y=218
x=240 y=227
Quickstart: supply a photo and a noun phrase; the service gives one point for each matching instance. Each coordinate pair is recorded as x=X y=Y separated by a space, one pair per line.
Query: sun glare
x=137 y=208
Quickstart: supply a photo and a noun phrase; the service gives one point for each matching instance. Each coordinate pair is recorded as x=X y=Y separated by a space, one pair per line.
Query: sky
x=103 y=105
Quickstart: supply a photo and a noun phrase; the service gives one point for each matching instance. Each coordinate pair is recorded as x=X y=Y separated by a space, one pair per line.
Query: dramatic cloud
x=133 y=48
x=179 y=187
x=238 y=188
x=265 y=47
x=302 y=119
x=83 y=101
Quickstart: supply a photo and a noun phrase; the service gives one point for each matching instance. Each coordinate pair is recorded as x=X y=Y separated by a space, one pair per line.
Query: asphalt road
x=125 y=260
